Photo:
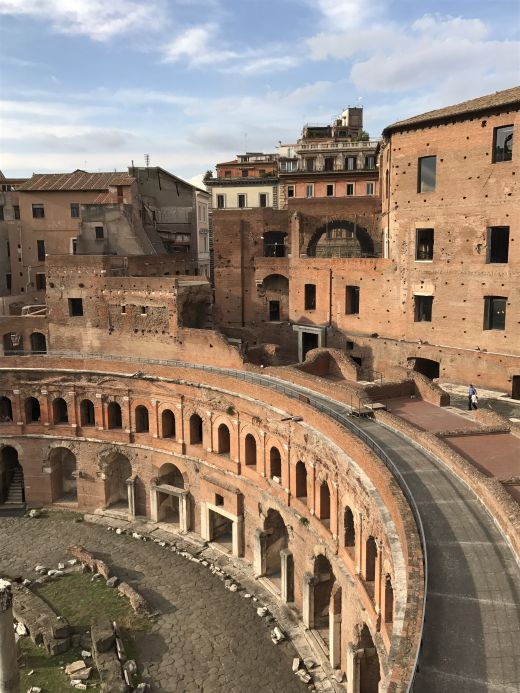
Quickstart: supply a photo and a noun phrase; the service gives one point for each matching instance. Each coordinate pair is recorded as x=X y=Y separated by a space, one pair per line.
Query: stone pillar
x=287 y=575
x=259 y=553
x=130 y=492
x=378 y=578
x=335 y=627
x=154 y=508
x=9 y=676
x=237 y=532
x=205 y=528
x=353 y=678
x=183 y=512
x=358 y=548
x=309 y=580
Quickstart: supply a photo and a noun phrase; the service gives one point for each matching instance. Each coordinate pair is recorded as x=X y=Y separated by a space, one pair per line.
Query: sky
x=97 y=84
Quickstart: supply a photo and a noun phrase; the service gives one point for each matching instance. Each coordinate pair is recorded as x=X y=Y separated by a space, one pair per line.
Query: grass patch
x=60 y=514
x=49 y=672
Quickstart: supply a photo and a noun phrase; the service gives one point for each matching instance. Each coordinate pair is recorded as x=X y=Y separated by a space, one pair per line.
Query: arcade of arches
x=241 y=478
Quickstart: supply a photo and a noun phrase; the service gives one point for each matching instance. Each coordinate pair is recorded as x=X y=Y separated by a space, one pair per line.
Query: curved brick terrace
x=206 y=638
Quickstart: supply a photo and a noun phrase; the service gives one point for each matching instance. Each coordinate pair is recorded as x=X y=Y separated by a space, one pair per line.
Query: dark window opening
x=290 y=191
x=16 y=210
x=310 y=341
x=503 y=143
x=495 y=313
x=350 y=189
x=275 y=463
x=75 y=307
x=498 y=244
x=309 y=165
x=352 y=300
x=330 y=190
x=274 y=311
x=40 y=281
x=219 y=500
x=2 y=218
x=350 y=163
x=227 y=174
x=8 y=281
x=370 y=162
x=426 y=174
x=241 y=201
x=38 y=211
x=74 y=210
x=221 y=202
x=100 y=234
x=310 y=296
x=41 y=250
x=424 y=244
x=423 y=308
x=245 y=173
x=329 y=163
x=262 y=199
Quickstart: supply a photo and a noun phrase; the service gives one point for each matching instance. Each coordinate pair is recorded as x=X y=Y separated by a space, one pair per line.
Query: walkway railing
x=338 y=411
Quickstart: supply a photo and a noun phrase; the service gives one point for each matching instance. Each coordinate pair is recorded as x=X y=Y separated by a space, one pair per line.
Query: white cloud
x=97 y=19
x=194 y=45
x=347 y=14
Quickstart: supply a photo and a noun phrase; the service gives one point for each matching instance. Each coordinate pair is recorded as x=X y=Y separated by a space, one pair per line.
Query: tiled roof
x=500 y=99
x=77 y=180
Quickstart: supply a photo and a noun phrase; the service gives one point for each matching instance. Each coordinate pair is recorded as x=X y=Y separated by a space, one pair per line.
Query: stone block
x=103 y=637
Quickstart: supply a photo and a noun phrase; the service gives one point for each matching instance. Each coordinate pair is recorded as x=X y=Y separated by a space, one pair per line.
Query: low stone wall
x=428 y=391
x=332 y=362
x=501 y=505
x=43 y=624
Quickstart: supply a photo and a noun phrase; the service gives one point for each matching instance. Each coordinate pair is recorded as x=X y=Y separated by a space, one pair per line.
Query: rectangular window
x=221 y=201
x=503 y=143
x=350 y=163
x=242 y=199
x=73 y=246
x=1 y=213
x=75 y=307
x=352 y=300
x=498 y=244
x=262 y=199
x=423 y=308
x=123 y=310
x=74 y=210
x=329 y=163
x=8 y=281
x=245 y=173
x=41 y=250
x=350 y=189
x=427 y=166
x=330 y=190
x=227 y=174
x=309 y=190
x=370 y=188
x=290 y=191
x=38 y=211
x=495 y=313
x=309 y=164
x=310 y=296
x=100 y=234
x=424 y=244
x=16 y=210
x=144 y=309
x=40 y=281
x=8 y=246
x=274 y=311
x=370 y=162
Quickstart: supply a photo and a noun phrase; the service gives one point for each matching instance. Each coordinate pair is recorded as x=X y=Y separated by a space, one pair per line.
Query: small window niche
x=495 y=312
x=352 y=300
x=498 y=244
x=423 y=308
x=310 y=296
x=274 y=311
x=427 y=173
x=424 y=245
x=75 y=307
x=503 y=144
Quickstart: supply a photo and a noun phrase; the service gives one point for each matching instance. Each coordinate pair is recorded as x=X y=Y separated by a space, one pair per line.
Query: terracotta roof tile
x=500 y=99
x=77 y=180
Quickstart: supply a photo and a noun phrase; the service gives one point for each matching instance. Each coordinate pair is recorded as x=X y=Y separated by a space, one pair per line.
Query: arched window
x=6 y=410
x=196 y=430
x=224 y=440
x=115 y=419
x=324 y=501
x=86 y=413
x=301 y=480
x=250 y=450
x=32 y=410
x=349 y=528
x=275 y=463
x=38 y=343
x=142 y=424
x=168 y=424
x=370 y=560
x=389 y=600
x=60 y=412
x=13 y=344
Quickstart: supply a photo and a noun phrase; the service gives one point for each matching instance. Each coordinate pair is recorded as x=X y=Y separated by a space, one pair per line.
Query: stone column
x=353 y=679
x=335 y=627
x=287 y=575
x=9 y=676
x=154 y=508
x=183 y=512
x=309 y=580
x=237 y=532
x=205 y=525
x=259 y=553
x=130 y=492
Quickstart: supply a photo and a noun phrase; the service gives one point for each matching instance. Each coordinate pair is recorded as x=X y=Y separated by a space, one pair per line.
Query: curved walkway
x=471 y=637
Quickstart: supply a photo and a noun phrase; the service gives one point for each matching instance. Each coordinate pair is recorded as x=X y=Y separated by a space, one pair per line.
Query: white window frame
x=223 y=196
x=371 y=185
x=333 y=190
x=244 y=195
x=353 y=190
x=293 y=188
x=266 y=199
x=309 y=186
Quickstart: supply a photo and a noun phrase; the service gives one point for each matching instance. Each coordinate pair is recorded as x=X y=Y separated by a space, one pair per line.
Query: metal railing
x=338 y=411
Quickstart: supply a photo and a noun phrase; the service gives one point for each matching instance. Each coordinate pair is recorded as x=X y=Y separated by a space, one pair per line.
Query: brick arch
x=224 y=420
x=366 y=244
x=107 y=454
x=9 y=443
x=246 y=431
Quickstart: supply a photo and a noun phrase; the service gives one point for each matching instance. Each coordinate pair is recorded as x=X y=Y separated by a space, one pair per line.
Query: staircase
x=15 y=495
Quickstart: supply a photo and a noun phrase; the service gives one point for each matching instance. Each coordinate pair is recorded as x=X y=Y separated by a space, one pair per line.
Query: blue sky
x=96 y=83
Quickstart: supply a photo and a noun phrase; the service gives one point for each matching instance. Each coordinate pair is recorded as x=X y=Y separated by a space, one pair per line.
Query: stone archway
x=341 y=238
x=118 y=472
x=12 y=486
x=276 y=540
x=64 y=485
x=324 y=582
x=169 y=498
x=367 y=660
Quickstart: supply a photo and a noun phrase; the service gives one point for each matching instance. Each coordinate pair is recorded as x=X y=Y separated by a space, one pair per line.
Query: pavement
x=206 y=638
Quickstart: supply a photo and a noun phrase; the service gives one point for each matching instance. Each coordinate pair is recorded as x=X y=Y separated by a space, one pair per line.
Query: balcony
x=301 y=167
x=361 y=144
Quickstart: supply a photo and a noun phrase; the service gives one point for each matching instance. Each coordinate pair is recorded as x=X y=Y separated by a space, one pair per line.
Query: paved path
x=207 y=638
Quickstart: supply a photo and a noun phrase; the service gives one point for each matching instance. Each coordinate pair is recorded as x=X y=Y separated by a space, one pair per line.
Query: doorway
x=310 y=340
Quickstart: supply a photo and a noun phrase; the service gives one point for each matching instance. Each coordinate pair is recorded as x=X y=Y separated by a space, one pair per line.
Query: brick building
x=430 y=285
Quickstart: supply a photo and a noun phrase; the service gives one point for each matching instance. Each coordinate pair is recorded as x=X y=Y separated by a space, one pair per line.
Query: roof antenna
x=147 y=160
